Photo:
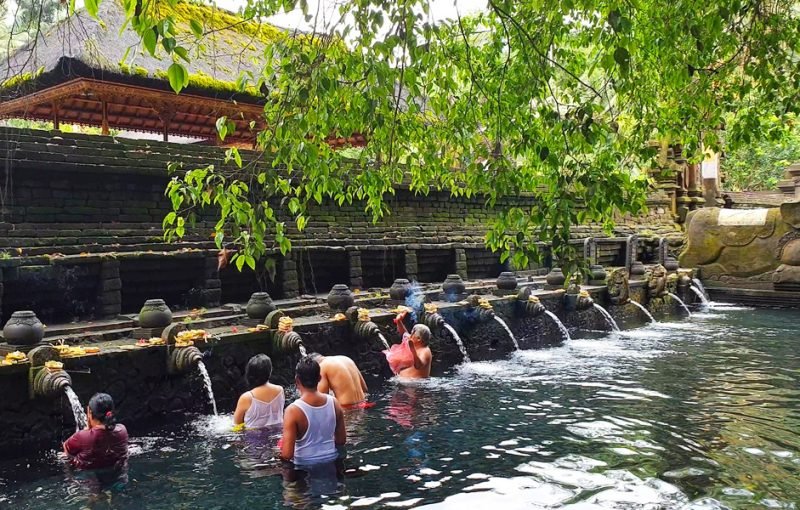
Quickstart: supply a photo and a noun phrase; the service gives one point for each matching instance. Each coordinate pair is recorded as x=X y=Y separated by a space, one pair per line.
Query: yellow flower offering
x=53 y=365
x=285 y=324
x=430 y=308
x=363 y=314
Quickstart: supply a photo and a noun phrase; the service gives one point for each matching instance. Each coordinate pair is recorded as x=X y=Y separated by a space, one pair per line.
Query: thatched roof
x=80 y=46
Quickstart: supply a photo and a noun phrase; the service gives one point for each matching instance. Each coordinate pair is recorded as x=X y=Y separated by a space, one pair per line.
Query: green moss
x=217 y=19
x=204 y=81
x=16 y=81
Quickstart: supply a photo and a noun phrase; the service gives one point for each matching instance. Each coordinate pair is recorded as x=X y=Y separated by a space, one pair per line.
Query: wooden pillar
x=104 y=127
x=56 y=117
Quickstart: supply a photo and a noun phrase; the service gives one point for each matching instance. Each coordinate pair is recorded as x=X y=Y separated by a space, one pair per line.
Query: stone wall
x=80 y=217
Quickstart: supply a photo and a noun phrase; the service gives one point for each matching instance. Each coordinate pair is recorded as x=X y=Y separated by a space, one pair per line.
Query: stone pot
x=555 y=277
x=670 y=263
x=23 y=328
x=259 y=306
x=597 y=273
x=453 y=286
x=507 y=281
x=340 y=297
x=400 y=290
x=637 y=268
x=155 y=314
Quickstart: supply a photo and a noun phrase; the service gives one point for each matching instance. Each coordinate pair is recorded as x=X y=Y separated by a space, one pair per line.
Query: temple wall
x=80 y=225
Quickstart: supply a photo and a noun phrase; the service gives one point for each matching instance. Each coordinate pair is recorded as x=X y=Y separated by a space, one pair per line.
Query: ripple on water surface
x=696 y=414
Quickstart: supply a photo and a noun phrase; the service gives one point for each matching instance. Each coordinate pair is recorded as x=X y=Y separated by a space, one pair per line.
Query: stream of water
x=508 y=330
x=383 y=340
x=680 y=301
x=459 y=342
x=77 y=408
x=607 y=316
x=561 y=327
x=699 y=294
x=699 y=285
x=207 y=383
x=645 y=310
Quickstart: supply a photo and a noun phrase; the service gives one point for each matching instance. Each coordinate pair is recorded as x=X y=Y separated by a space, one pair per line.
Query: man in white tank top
x=313 y=425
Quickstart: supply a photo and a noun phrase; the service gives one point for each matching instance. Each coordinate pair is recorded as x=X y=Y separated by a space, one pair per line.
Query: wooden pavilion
x=74 y=74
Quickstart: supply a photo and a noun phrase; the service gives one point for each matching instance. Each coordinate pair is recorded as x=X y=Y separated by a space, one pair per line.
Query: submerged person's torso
x=318 y=443
x=263 y=414
x=345 y=379
x=99 y=448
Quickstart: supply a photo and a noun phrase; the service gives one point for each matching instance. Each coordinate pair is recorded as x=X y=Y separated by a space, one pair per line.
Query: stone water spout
x=363 y=327
x=432 y=318
x=182 y=356
x=576 y=300
x=284 y=338
x=618 y=286
x=529 y=304
x=481 y=305
x=657 y=282
x=47 y=376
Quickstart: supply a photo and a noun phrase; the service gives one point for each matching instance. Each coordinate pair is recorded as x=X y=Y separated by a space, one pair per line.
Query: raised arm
x=401 y=327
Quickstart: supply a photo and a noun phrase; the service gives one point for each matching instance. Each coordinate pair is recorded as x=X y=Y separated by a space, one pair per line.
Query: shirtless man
x=341 y=376
x=418 y=341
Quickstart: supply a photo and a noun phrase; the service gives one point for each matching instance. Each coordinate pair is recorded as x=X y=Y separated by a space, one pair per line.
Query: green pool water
x=701 y=413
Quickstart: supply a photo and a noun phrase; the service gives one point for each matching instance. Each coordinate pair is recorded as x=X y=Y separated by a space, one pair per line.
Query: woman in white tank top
x=263 y=405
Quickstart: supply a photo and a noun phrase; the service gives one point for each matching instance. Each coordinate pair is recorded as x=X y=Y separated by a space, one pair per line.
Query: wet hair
x=308 y=372
x=422 y=332
x=258 y=370
x=102 y=407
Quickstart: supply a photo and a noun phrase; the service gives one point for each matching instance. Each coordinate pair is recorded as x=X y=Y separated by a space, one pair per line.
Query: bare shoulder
x=245 y=397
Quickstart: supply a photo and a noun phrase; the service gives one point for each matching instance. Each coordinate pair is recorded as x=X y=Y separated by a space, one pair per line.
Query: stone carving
x=656 y=282
x=618 y=287
x=747 y=247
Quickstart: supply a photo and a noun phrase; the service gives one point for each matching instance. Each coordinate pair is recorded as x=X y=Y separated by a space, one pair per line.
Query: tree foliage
x=558 y=99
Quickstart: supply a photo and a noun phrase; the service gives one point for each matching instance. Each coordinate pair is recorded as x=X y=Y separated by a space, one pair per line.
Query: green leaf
x=149 y=40
x=92 y=6
x=301 y=223
x=178 y=77
x=181 y=52
x=169 y=44
x=196 y=27
x=222 y=127
x=251 y=262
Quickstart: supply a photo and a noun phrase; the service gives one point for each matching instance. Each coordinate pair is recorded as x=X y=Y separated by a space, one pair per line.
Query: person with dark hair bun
x=313 y=425
x=262 y=406
x=104 y=442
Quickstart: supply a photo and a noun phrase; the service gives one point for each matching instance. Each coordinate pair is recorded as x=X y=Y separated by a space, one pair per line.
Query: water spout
x=302 y=350
x=561 y=327
x=680 y=301
x=607 y=316
x=383 y=340
x=644 y=310
x=77 y=408
x=700 y=294
x=207 y=383
x=508 y=330
x=697 y=283
x=460 y=344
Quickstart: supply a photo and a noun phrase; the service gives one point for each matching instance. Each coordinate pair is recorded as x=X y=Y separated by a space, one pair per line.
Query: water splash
x=645 y=310
x=561 y=327
x=460 y=344
x=302 y=349
x=697 y=283
x=700 y=294
x=508 y=330
x=207 y=383
x=607 y=316
x=680 y=301
x=77 y=408
x=383 y=340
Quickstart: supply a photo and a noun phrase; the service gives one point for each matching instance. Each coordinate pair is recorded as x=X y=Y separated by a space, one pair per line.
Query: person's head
x=319 y=358
x=307 y=373
x=258 y=370
x=101 y=411
x=422 y=333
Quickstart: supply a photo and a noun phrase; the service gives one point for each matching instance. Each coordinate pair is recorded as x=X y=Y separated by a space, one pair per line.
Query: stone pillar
x=109 y=292
x=412 y=270
x=287 y=274
x=354 y=262
x=461 y=263
x=211 y=284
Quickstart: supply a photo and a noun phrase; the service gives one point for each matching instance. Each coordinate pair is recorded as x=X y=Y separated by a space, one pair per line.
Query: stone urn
x=23 y=328
x=259 y=305
x=670 y=264
x=340 y=297
x=155 y=314
x=637 y=268
x=556 y=278
x=507 y=281
x=597 y=274
x=400 y=290
x=453 y=287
